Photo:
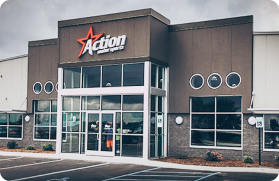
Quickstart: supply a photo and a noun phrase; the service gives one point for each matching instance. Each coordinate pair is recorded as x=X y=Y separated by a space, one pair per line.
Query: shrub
x=213 y=156
x=247 y=159
x=181 y=156
x=30 y=147
x=47 y=147
x=11 y=145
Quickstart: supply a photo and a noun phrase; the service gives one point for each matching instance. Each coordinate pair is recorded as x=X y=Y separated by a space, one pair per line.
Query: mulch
x=221 y=163
x=24 y=150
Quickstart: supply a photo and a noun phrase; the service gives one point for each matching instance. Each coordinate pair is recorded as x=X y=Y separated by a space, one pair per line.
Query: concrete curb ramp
x=140 y=161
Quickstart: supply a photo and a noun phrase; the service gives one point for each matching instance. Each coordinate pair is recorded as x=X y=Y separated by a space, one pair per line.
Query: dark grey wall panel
x=212 y=50
x=159 y=41
x=43 y=59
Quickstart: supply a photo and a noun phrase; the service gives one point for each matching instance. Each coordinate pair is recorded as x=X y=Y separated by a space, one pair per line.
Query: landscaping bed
x=221 y=163
x=24 y=150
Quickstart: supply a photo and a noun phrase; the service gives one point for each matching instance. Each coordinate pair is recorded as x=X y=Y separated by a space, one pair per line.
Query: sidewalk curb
x=140 y=161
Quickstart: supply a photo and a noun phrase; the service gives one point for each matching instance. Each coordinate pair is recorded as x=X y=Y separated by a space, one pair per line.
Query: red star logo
x=93 y=37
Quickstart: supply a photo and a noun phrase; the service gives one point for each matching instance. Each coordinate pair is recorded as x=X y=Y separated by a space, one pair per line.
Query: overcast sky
x=26 y=20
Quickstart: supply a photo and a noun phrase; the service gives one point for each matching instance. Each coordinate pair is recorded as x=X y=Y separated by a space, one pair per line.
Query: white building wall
x=13 y=83
x=266 y=70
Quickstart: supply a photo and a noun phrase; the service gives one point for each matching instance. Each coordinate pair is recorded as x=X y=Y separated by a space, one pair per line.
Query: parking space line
x=165 y=176
x=116 y=178
x=11 y=158
x=63 y=171
x=178 y=172
x=207 y=176
x=30 y=164
x=150 y=179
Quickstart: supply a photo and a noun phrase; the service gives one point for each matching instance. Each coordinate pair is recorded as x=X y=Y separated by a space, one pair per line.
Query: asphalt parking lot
x=41 y=169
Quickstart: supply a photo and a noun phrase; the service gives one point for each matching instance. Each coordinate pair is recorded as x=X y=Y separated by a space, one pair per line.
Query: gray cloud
x=26 y=20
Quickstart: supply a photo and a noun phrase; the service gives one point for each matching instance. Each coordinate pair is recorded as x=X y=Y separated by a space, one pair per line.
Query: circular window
x=56 y=87
x=48 y=87
x=233 y=80
x=214 y=81
x=196 y=81
x=37 y=88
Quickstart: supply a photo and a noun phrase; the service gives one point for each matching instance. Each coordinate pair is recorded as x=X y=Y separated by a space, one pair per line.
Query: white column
x=166 y=134
x=59 y=112
x=146 y=110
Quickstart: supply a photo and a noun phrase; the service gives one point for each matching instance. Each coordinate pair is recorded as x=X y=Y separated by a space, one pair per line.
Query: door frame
x=99 y=152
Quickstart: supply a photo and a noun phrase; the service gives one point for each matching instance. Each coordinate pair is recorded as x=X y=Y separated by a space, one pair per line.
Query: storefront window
x=10 y=125
x=133 y=103
x=216 y=121
x=91 y=77
x=91 y=103
x=71 y=78
x=132 y=123
x=157 y=76
x=133 y=74
x=111 y=102
x=111 y=76
x=271 y=131
x=45 y=123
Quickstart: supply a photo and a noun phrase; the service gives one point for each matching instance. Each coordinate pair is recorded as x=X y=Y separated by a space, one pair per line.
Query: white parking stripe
x=30 y=164
x=179 y=172
x=207 y=176
x=131 y=174
x=151 y=179
x=165 y=176
x=63 y=171
x=11 y=158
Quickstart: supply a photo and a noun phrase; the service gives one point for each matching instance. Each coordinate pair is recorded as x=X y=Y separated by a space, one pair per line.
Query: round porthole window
x=56 y=87
x=48 y=87
x=37 y=88
x=233 y=80
x=196 y=81
x=214 y=81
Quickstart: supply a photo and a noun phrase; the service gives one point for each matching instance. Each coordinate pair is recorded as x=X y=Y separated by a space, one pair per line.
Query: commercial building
x=133 y=85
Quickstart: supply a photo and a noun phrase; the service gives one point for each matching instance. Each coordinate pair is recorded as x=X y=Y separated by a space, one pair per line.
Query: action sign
x=160 y=121
x=259 y=122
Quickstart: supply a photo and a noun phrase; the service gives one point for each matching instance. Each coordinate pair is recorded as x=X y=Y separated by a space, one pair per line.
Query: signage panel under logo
x=96 y=43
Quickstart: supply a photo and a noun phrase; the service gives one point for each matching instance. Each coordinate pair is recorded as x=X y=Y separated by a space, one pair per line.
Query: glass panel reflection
x=71 y=78
x=117 y=145
x=132 y=146
x=271 y=122
x=41 y=133
x=203 y=104
x=229 y=104
x=152 y=123
x=93 y=123
x=133 y=74
x=53 y=119
x=203 y=121
x=112 y=76
x=71 y=103
x=3 y=119
x=82 y=144
x=15 y=132
x=53 y=133
x=152 y=146
x=91 y=77
x=161 y=78
x=107 y=132
x=91 y=103
x=93 y=142
x=111 y=102
x=42 y=106
x=133 y=102
x=42 y=119
x=229 y=121
x=202 y=138
x=214 y=81
x=229 y=139
x=70 y=143
x=3 y=131
x=71 y=122
x=53 y=106
x=271 y=141
x=15 y=119
x=132 y=123
x=153 y=75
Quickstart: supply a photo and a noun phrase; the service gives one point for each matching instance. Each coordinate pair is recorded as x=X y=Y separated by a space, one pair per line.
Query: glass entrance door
x=100 y=134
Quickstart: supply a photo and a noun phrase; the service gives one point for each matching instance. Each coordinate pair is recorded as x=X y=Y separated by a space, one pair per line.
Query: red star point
x=89 y=34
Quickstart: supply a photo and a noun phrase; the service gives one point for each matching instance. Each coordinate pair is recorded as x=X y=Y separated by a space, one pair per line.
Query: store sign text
x=96 y=43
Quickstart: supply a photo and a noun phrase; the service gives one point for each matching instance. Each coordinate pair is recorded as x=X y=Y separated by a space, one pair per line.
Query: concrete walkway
x=140 y=161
